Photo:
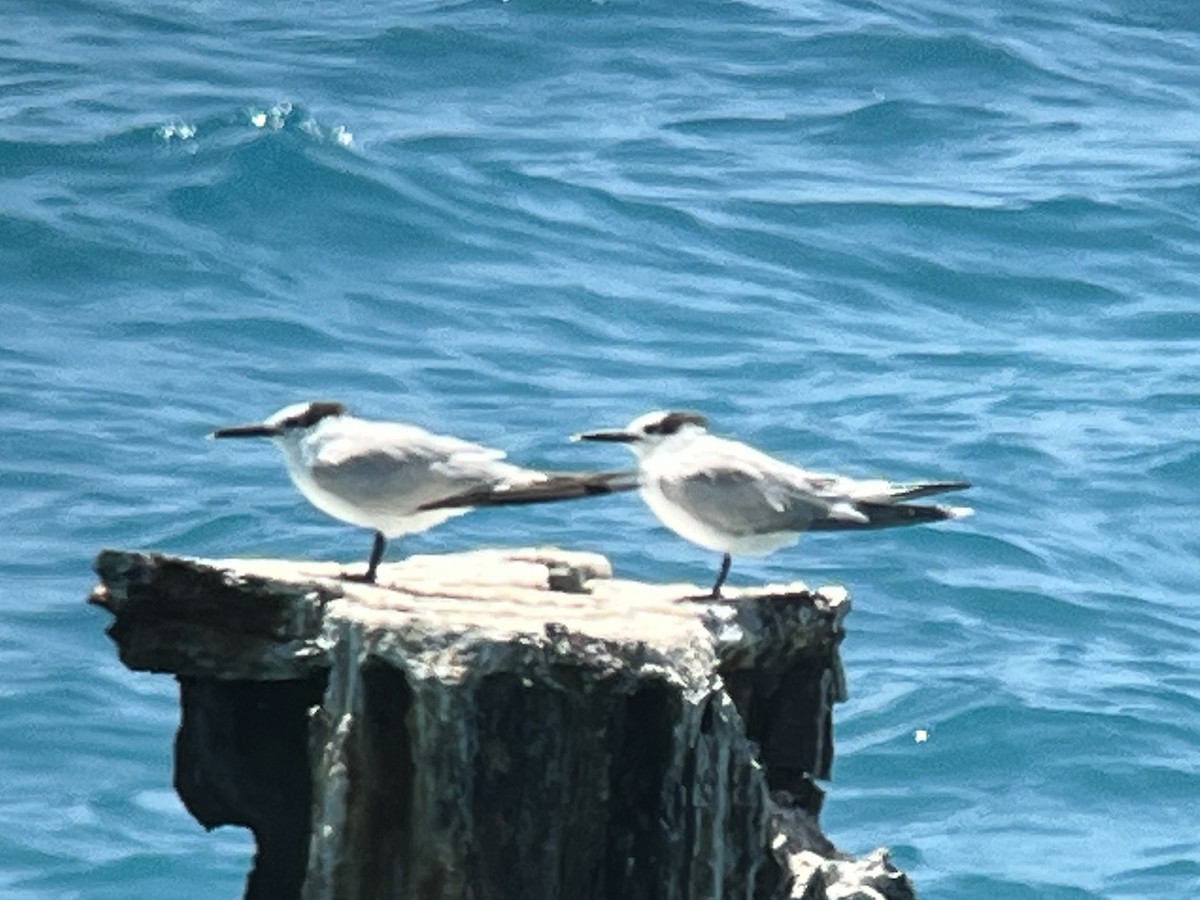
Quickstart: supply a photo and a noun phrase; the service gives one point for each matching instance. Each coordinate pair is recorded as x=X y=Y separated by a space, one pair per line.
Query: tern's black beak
x=614 y=436
x=243 y=431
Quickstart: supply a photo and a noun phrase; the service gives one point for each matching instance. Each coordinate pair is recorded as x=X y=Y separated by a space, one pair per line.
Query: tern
x=399 y=479
x=728 y=497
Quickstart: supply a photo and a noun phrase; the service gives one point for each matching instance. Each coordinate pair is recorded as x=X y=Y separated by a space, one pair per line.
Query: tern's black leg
x=726 y=562
x=377 y=548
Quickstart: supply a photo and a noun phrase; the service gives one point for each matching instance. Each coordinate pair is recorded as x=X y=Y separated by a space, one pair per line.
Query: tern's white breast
x=689 y=526
x=391 y=516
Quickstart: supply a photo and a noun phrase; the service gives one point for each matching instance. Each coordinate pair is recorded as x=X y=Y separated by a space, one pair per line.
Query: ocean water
x=920 y=239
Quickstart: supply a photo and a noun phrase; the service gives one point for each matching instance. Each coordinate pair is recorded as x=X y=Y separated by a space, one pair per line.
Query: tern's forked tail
x=553 y=487
x=891 y=515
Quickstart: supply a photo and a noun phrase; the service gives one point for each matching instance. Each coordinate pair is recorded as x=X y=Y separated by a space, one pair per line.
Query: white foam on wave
x=280 y=115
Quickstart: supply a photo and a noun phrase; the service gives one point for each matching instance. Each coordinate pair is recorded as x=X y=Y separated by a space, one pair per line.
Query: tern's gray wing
x=738 y=490
x=402 y=468
x=741 y=499
x=877 y=503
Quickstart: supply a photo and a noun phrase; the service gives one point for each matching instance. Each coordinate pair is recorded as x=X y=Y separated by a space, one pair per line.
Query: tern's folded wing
x=401 y=476
x=741 y=500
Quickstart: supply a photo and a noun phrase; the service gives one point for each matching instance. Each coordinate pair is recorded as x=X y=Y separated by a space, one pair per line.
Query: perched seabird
x=400 y=479
x=728 y=497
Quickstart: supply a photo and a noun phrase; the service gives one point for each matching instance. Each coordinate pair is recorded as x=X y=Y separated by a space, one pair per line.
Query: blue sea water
x=920 y=239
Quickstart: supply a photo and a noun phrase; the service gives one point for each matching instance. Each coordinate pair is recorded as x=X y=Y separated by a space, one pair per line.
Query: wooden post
x=498 y=724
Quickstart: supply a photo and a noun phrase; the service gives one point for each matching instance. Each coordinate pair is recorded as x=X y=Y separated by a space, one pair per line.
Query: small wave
x=285 y=115
x=281 y=116
x=172 y=131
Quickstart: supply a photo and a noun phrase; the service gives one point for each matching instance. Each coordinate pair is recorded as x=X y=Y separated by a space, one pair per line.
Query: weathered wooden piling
x=498 y=724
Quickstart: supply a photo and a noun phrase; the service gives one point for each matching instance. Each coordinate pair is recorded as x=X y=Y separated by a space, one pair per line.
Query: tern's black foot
x=701 y=598
x=715 y=594
x=368 y=577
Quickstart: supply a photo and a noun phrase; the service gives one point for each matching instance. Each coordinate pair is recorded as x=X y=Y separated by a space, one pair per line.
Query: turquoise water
x=922 y=239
